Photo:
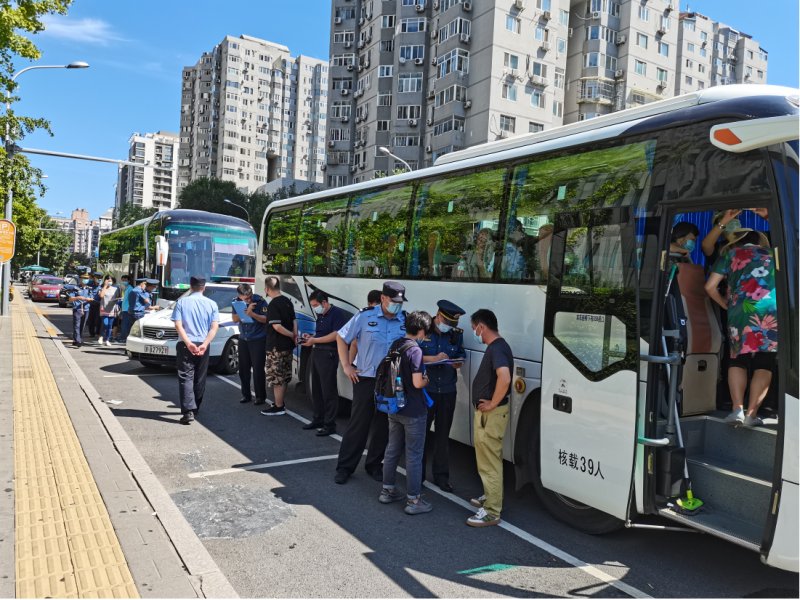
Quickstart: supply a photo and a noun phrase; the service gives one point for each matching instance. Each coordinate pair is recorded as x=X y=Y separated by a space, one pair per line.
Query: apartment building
x=83 y=230
x=251 y=113
x=153 y=186
x=421 y=78
x=624 y=54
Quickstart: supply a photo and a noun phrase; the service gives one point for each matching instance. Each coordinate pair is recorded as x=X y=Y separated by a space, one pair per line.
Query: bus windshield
x=207 y=251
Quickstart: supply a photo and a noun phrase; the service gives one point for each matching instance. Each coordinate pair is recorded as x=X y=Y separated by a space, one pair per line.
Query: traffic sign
x=8 y=240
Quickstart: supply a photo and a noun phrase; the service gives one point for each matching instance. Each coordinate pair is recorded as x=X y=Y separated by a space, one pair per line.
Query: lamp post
x=387 y=152
x=226 y=201
x=10 y=148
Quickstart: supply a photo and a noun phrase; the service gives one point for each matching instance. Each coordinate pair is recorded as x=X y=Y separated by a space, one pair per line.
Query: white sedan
x=153 y=338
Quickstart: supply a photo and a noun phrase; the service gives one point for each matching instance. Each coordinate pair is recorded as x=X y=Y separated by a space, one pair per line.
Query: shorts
x=754 y=361
x=278 y=367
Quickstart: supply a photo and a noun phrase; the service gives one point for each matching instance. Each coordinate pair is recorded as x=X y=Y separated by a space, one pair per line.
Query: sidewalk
x=81 y=514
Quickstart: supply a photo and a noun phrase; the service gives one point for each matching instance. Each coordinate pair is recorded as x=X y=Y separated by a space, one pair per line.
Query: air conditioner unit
x=519 y=4
x=546 y=15
x=349 y=67
x=435 y=4
x=747 y=75
x=569 y=32
x=338 y=20
x=418 y=61
x=669 y=7
x=466 y=6
x=429 y=122
x=360 y=68
x=412 y=122
x=619 y=74
x=621 y=39
x=348 y=44
x=433 y=60
x=345 y=92
x=359 y=118
x=660 y=31
x=353 y=168
x=420 y=7
x=323 y=167
x=704 y=44
x=361 y=21
x=431 y=94
x=465 y=38
x=361 y=44
x=467 y=103
x=402 y=60
x=596 y=14
x=428 y=149
x=503 y=134
x=362 y=165
x=345 y=119
x=331 y=143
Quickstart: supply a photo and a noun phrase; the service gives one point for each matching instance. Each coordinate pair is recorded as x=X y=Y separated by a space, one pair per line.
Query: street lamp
x=226 y=201
x=10 y=157
x=387 y=152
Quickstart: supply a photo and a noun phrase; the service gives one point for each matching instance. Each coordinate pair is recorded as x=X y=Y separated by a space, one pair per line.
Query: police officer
x=374 y=330
x=444 y=343
x=140 y=298
x=252 y=343
x=93 y=316
x=81 y=296
x=324 y=362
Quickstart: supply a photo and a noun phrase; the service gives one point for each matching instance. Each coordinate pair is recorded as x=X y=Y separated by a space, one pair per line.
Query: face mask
x=444 y=328
x=733 y=225
x=124 y=284
x=395 y=307
x=689 y=245
x=85 y=281
x=476 y=336
x=319 y=309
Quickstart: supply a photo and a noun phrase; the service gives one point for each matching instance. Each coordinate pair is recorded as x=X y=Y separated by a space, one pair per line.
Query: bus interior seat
x=702 y=342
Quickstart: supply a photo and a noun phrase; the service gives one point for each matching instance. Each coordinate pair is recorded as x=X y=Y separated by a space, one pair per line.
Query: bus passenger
x=543 y=243
x=281 y=336
x=724 y=221
x=683 y=240
x=490 y=395
x=444 y=342
x=252 y=343
x=374 y=330
x=748 y=265
x=479 y=260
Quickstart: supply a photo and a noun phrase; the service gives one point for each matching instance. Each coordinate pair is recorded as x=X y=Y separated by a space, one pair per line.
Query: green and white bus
x=565 y=235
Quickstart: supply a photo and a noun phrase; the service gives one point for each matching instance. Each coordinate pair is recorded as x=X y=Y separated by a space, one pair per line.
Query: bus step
x=720 y=524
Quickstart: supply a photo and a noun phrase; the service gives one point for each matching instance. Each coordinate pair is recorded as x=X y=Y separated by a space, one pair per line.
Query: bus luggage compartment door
x=590 y=361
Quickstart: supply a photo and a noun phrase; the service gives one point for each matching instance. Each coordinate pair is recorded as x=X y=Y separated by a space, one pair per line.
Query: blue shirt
x=333 y=320
x=196 y=313
x=375 y=333
x=255 y=330
x=83 y=291
x=136 y=300
x=125 y=302
x=442 y=378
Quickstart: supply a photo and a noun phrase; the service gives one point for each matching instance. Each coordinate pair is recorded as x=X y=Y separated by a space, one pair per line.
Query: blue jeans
x=408 y=432
x=108 y=325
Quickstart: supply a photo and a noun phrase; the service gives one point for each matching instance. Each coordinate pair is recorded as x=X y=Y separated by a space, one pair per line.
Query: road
x=284 y=529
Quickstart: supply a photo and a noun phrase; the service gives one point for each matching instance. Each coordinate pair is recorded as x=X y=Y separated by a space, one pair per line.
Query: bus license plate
x=155 y=350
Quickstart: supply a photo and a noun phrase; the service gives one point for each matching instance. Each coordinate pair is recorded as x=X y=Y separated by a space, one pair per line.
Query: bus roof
x=194 y=216
x=605 y=127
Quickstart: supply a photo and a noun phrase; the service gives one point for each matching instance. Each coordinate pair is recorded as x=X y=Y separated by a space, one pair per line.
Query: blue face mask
x=689 y=245
x=444 y=328
x=123 y=284
x=319 y=309
x=477 y=337
x=394 y=307
x=85 y=281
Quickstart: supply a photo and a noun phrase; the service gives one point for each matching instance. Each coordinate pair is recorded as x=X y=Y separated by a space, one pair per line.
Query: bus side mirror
x=162 y=250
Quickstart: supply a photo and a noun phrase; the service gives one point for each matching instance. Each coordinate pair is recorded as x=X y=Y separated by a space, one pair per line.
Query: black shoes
x=323 y=431
x=273 y=411
x=259 y=402
x=312 y=425
x=187 y=418
x=341 y=477
x=445 y=486
x=244 y=400
x=376 y=474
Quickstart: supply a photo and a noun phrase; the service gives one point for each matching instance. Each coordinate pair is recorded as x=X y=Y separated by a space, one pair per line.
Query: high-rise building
x=251 y=113
x=624 y=54
x=84 y=231
x=425 y=77
x=153 y=186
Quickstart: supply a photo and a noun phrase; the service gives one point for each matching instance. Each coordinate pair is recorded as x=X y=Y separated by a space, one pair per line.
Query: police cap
x=450 y=311
x=396 y=291
x=97 y=274
x=151 y=281
x=141 y=280
x=196 y=281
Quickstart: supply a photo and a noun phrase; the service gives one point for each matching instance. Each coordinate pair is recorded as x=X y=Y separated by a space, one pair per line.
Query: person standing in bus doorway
x=490 y=396
x=281 y=335
x=196 y=319
x=252 y=343
x=445 y=342
x=324 y=363
x=374 y=330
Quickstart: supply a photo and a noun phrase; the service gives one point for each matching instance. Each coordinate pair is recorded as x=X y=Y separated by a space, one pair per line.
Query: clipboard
x=447 y=361
x=240 y=306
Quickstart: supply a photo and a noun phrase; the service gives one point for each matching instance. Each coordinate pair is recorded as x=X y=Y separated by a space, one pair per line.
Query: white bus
x=617 y=404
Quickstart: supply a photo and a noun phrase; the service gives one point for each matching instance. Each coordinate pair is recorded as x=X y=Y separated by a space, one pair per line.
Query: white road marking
x=512 y=529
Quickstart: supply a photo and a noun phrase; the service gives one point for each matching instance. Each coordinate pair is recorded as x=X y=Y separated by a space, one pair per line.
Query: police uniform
x=253 y=353
x=441 y=387
x=324 y=369
x=92 y=317
x=79 y=310
x=374 y=332
x=139 y=299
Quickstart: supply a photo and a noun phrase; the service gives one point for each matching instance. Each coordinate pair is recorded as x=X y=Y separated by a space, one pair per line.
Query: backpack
x=385 y=376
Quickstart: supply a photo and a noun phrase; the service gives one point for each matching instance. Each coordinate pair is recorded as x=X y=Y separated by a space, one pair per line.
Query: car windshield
x=222 y=295
x=49 y=281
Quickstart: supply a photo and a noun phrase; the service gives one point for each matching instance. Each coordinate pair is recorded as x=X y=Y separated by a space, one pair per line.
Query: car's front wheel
x=229 y=361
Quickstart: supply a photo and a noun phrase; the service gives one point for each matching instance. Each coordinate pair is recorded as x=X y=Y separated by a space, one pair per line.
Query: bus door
x=590 y=360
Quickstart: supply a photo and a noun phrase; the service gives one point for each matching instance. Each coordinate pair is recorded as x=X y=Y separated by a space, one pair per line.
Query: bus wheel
x=229 y=361
x=573 y=513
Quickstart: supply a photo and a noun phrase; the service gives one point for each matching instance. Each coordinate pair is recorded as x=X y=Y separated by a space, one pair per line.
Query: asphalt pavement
x=259 y=493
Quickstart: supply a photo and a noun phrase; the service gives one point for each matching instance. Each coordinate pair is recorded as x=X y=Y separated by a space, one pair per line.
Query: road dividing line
x=281 y=463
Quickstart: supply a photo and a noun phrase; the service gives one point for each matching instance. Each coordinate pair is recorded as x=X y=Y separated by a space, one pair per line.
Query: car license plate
x=155 y=350
x=51 y=295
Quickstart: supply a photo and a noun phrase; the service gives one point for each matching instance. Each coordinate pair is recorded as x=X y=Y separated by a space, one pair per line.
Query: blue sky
x=137 y=48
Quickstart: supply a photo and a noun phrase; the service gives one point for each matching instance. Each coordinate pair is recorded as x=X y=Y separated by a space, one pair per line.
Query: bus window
x=323 y=233
x=280 y=249
x=376 y=233
x=455 y=226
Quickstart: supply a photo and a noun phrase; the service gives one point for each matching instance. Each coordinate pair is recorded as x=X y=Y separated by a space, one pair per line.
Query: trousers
x=490 y=428
x=192 y=371
x=365 y=423
x=324 y=390
x=77 y=325
x=440 y=415
x=125 y=325
x=405 y=433
x=252 y=356
x=93 y=320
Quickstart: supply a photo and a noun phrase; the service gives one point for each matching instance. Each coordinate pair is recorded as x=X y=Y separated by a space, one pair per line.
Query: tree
x=130 y=213
x=75 y=260
x=209 y=194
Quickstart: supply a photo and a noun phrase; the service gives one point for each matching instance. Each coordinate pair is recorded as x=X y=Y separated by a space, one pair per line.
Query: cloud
x=88 y=31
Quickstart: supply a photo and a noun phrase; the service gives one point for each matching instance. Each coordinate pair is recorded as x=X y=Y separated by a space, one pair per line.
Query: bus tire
x=229 y=360
x=573 y=513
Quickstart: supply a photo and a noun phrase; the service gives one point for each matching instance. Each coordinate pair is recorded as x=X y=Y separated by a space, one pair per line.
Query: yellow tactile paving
x=65 y=544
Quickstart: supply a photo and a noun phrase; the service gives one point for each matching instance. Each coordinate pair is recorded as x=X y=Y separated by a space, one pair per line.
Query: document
x=240 y=306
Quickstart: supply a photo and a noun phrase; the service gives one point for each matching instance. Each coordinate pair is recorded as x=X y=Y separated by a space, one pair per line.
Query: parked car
x=44 y=287
x=153 y=338
x=70 y=284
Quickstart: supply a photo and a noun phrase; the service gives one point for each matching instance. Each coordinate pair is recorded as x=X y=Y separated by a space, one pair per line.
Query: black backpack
x=385 y=376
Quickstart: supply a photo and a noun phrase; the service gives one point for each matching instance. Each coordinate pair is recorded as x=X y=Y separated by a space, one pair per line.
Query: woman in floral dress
x=747 y=264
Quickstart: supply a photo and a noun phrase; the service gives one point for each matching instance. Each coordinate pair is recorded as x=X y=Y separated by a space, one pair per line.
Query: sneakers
x=417 y=507
x=736 y=418
x=482 y=519
x=100 y=341
x=389 y=495
x=108 y=342
x=753 y=421
x=478 y=502
x=274 y=411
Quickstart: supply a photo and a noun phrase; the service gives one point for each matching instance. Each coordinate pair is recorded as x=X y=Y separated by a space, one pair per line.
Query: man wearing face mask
x=445 y=342
x=683 y=241
x=374 y=330
x=80 y=298
x=324 y=362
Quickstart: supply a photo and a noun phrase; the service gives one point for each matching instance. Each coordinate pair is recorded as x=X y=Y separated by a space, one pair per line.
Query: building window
x=644 y=13
x=563 y=17
x=412 y=52
x=409 y=111
x=688 y=80
x=663 y=48
x=387 y=22
x=701 y=85
x=559 y=78
x=688 y=25
x=409 y=82
x=703 y=52
x=513 y=24
x=387 y=46
x=455 y=60
x=561 y=46
x=537 y=98
x=543 y=4
x=384 y=99
x=591 y=59
x=690 y=47
x=540 y=33
x=641 y=40
x=413 y=25
x=703 y=36
x=661 y=75
x=509 y=92
x=689 y=63
x=640 y=67
x=558 y=108
x=534 y=127
x=701 y=68
x=760 y=74
x=385 y=70
x=507 y=123
x=510 y=61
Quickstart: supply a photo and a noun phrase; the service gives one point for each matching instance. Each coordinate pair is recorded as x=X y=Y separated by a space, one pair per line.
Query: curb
x=204 y=574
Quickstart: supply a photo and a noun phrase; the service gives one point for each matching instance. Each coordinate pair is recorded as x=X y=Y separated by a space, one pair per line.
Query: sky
x=137 y=49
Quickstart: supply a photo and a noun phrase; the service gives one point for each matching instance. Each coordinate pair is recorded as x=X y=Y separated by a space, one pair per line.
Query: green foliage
x=75 y=260
x=130 y=213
